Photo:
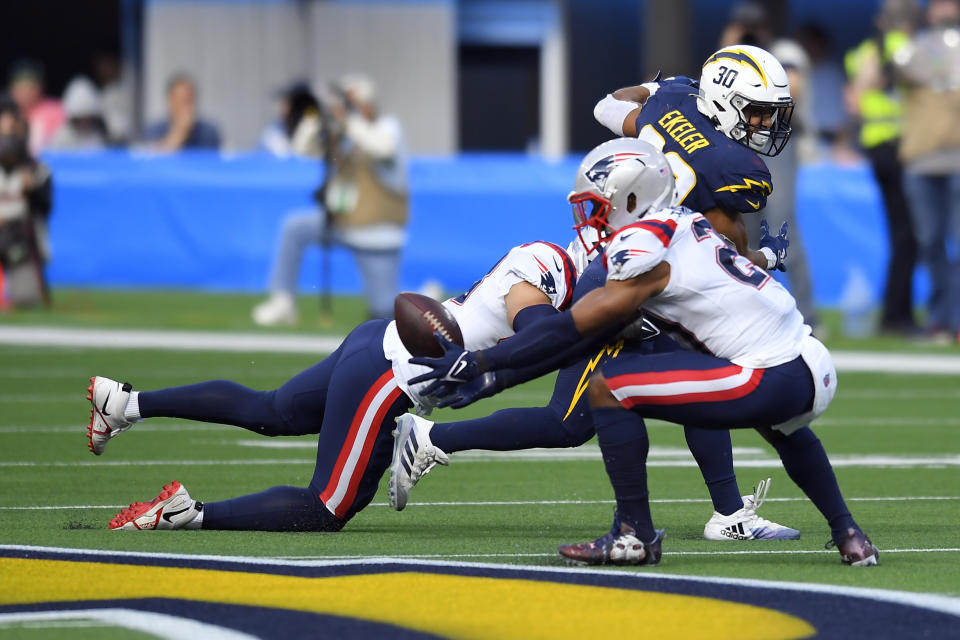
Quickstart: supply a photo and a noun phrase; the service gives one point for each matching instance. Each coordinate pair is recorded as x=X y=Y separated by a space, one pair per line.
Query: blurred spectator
x=362 y=204
x=828 y=115
x=930 y=151
x=297 y=128
x=182 y=129
x=43 y=115
x=84 y=129
x=116 y=96
x=749 y=24
x=874 y=97
x=24 y=207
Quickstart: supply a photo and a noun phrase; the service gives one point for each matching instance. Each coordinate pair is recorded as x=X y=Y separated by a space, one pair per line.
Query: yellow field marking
x=448 y=605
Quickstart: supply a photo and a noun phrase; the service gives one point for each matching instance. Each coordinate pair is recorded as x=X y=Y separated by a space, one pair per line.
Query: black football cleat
x=856 y=549
x=620 y=546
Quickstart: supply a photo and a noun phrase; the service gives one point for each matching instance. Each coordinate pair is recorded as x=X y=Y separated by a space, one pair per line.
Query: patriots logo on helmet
x=600 y=171
x=547 y=284
x=826 y=380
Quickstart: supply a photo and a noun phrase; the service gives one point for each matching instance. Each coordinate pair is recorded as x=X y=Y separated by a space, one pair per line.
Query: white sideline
x=930 y=601
x=103 y=338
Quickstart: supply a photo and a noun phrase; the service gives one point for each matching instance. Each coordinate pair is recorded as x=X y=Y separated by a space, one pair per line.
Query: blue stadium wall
x=210 y=222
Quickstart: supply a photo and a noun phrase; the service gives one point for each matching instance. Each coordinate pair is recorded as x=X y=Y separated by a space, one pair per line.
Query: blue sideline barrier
x=210 y=222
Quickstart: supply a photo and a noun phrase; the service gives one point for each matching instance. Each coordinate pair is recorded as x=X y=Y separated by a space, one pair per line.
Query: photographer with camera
x=25 y=199
x=362 y=203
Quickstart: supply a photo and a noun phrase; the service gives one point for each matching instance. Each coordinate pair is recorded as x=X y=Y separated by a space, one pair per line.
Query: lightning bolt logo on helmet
x=616 y=184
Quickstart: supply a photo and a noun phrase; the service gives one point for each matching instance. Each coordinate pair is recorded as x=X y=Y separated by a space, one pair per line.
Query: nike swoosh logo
x=103 y=409
x=169 y=516
x=460 y=366
x=752 y=204
x=557 y=262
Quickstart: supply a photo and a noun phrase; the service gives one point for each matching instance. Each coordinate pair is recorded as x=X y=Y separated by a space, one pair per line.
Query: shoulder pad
x=744 y=186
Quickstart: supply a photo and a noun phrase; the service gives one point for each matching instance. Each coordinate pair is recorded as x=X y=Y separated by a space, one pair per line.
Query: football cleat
x=745 y=524
x=172 y=509
x=109 y=400
x=856 y=549
x=414 y=455
x=619 y=546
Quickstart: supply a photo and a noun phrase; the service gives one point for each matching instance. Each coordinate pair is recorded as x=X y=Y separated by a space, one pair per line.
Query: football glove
x=483 y=386
x=774 y=247
x=453 y=368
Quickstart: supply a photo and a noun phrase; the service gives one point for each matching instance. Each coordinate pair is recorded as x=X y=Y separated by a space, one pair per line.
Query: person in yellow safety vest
x=874 y=97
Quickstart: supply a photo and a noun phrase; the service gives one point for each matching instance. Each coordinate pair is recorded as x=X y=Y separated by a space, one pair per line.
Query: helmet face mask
x=590 y=212
x=745 y=92
x=617 y=184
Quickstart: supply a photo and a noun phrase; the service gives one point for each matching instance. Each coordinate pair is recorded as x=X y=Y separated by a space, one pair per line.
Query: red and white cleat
x=172 y=509
x=109 y=400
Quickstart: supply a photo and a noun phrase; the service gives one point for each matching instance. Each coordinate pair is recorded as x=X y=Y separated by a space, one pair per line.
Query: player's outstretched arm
x=550 y=342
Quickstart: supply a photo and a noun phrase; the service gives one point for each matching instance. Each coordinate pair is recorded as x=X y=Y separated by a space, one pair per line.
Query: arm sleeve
x=611 y=113
x=528 y=315
x=745 y=191
x=539 y=342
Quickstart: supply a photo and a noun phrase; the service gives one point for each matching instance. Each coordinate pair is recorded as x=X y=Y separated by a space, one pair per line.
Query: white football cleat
x=745 y=524
x=172 y=509
x=109 y=400
x=414 y=455
x=279 y=309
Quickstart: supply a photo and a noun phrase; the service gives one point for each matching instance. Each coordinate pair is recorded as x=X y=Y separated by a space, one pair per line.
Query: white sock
x=197 y=522
x=131 y=412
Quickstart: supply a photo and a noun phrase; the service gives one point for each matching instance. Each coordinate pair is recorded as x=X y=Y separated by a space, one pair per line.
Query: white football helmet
x=741 y=82
x=617 y=184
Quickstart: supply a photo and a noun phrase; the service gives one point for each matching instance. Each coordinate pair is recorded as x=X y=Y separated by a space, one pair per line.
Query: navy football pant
x=354 y=444
x=686 y=387
x=567 y=422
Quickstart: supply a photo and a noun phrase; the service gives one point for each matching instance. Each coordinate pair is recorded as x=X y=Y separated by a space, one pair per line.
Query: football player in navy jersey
x=350 y=400
x=750 y=361
x=711 y=132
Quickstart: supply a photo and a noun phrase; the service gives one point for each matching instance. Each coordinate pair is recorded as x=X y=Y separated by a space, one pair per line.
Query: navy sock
x=807 y=465
x=220 y=401
x=713 y=452
x=276 y=509
x=505 y=430
x=624 y=444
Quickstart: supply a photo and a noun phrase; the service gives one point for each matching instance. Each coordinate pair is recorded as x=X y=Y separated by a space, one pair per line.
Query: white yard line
x=95 y=338
x=101 y=338
x=879 y=461
x=513 y=503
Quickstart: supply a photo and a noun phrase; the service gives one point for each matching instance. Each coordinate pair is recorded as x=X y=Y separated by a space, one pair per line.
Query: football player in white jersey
x=752 y=361
x=350 y=399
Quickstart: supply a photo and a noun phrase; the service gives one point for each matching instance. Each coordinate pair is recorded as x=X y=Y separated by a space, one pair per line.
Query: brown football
x=417 y=317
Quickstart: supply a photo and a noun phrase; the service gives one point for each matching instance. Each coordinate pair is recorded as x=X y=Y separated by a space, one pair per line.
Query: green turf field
x=894 y=439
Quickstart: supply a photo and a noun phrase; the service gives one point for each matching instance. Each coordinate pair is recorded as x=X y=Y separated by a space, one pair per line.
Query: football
x=417 y=317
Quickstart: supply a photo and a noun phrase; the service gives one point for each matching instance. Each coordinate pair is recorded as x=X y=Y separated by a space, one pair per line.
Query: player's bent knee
x=599 y=393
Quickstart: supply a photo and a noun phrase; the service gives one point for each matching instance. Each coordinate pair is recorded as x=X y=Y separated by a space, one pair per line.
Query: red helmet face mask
x=590 y=210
